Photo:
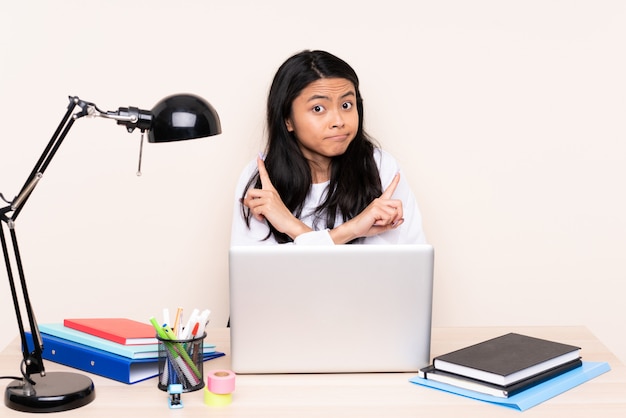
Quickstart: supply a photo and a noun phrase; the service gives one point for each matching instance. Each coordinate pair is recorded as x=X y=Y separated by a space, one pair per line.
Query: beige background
x=507 y=116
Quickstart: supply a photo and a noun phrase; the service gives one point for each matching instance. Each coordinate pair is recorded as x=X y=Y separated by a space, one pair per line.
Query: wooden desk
x=354 y=395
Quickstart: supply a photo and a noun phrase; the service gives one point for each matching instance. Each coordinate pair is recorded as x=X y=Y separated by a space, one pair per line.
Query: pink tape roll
x=221 y=382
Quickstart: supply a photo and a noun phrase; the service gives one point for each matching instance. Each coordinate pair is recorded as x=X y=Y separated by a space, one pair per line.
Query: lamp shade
x=183 y=116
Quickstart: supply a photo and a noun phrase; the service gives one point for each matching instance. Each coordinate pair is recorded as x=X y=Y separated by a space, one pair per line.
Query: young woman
x=322 y=180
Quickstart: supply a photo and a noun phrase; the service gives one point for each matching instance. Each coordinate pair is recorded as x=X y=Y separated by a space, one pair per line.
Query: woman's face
x=324 y=118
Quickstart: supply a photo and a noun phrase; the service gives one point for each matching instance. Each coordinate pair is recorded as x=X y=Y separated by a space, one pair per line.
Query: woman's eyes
x=320 y=108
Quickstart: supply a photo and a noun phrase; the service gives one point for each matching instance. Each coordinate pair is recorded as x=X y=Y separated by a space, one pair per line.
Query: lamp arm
x=32 y=360
x=44 y=160
x=131 y=117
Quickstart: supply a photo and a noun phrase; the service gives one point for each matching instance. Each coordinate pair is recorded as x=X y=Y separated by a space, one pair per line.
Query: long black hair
x=354 y=177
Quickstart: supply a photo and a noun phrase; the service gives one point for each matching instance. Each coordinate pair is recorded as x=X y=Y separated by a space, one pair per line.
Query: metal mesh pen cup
x=180 y=361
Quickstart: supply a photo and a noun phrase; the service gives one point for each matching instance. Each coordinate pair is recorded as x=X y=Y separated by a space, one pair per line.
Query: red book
x=120 y=330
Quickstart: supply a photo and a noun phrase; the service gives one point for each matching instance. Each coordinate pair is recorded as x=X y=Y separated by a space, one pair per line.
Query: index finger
x=266 y=183
x=392 y=187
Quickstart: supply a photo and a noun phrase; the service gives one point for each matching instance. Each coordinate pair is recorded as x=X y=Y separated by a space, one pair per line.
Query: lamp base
x=54 y=392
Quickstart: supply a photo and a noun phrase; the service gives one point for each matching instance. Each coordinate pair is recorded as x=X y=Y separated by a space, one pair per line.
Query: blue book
x=144 y=351
x=532 y=396
x=100 y=362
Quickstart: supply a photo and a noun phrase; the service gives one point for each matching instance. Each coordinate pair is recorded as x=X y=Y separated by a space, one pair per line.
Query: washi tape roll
x=215 y=399
x=221 y=382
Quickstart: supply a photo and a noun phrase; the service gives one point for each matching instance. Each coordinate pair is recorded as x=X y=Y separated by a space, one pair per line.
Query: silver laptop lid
x=330 y=309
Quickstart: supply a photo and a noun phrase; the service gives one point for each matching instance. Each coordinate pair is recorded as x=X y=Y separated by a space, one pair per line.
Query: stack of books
x=511 y=367
x=117 y=348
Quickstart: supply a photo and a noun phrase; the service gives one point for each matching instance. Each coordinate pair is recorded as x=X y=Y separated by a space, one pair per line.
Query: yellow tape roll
x=214 y=399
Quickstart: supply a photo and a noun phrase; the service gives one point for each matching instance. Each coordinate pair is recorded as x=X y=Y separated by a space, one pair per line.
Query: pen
x=166 y=374
x=177 y=320
x=204 y=318
x=159 y=330
x=194 y=332
x=196 y=346
x=187 y=331
x=179 y=372
x=166 y=316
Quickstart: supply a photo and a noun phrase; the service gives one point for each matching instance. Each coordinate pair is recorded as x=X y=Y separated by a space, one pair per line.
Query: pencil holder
x=181 y=361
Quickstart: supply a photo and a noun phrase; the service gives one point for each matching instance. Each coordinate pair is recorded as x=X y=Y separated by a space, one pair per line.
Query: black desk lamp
x=174 y=118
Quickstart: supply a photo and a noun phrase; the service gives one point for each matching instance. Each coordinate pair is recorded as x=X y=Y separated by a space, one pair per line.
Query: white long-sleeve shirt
x=410 y=232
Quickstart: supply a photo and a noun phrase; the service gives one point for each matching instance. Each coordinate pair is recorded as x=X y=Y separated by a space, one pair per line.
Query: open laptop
x=330 y=309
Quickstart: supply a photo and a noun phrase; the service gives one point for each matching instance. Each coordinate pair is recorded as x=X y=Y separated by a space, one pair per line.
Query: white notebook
x=330 y=309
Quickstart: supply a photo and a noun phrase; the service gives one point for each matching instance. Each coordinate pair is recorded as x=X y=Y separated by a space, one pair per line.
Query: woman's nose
x=337 y=120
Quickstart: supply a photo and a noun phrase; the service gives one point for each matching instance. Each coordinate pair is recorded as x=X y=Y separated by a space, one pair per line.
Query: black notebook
x=495 y=390
x=507 y=359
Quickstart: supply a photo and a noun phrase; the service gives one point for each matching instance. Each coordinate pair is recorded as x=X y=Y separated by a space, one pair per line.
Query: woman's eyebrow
x=348 y=94
x=322 y=97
